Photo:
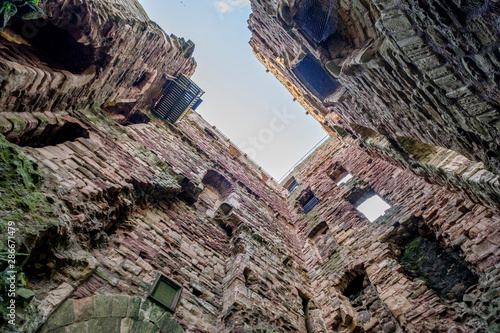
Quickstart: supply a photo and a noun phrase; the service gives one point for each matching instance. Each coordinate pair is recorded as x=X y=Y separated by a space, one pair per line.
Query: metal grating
x=318 y=18
x=178 y=97
x=310 y=204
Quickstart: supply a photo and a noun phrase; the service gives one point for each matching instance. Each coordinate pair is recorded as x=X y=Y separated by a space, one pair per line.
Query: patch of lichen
x=419 y=151
x=21 y=200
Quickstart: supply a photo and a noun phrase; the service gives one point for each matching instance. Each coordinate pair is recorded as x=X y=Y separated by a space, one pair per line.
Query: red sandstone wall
x=352 y=243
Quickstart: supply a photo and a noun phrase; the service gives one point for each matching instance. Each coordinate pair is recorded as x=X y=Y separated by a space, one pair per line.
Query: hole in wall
x=365 y=300
x=51 y=135
x=308 y=201
x=58 y=48
x=123 y=113
x=305 y=301
x=345 y=179
x=249 y=278
x=373 y=207
x=423 y=257
x=143 y=80
x=355 y=287
x=442 y=268
x=197 y=293
x=323 y=240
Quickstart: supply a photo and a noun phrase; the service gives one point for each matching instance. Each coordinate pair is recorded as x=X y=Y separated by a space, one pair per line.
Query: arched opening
x=215 y=181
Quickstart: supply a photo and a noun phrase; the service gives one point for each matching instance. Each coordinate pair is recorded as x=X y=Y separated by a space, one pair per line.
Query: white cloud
x=226 y=6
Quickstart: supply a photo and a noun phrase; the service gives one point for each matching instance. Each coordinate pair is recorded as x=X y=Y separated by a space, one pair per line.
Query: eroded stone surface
x=130 y=202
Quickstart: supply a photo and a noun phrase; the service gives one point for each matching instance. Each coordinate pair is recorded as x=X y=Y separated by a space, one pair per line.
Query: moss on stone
x=21 y=200
x=420 y=151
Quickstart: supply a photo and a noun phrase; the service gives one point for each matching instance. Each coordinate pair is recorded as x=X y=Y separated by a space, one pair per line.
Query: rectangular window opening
x=165 y=292
x=345 y=179
x=310 y=204
x=291 y=184
x=373 y=207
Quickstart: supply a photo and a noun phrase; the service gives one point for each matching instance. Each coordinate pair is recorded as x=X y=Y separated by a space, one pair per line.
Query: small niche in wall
x=320 y=229
x=165 y=292
x=220 y=185
x=210 y=133
x=323 y=240
x=51 y=135
x=249 y=277
x=143 y=81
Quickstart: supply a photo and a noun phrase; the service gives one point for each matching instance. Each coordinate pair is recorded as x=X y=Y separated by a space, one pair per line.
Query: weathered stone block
x=103 y=306
x=450 y=82
x=83 y=308
x=108 y=325
x=397 y=23
x=120 y=306
x=63 y=316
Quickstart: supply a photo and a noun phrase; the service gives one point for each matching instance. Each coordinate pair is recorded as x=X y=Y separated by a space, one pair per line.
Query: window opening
x=291 y=184
x=177 y=98
x=210 y=133
x=373 y=207
x=315 y=78
x=345 y=179
x=165 y=292
x=310 y=204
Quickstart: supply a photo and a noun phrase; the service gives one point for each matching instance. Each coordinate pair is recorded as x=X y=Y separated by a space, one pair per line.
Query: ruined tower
x=119 y=221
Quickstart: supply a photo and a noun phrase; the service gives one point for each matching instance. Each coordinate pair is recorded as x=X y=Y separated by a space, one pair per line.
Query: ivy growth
x=25 y=9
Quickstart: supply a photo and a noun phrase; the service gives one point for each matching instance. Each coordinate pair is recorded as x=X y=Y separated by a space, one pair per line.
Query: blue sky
x=243 y=101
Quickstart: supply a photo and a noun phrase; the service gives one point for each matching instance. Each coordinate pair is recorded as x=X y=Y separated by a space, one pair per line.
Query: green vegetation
x=25 y=9
x=24 y=210
x=420 y=151
x=20 y=199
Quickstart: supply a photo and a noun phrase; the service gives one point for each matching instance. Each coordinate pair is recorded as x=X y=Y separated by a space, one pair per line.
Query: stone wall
x=103 y=201
x=87 y=54
x=407 y=69
x=347 y=246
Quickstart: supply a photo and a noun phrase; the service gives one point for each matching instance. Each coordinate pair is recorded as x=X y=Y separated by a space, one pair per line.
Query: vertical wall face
x=108 y=207
x=419 y=71
x=432 y=255
x=102 y=208
x=88 y=54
